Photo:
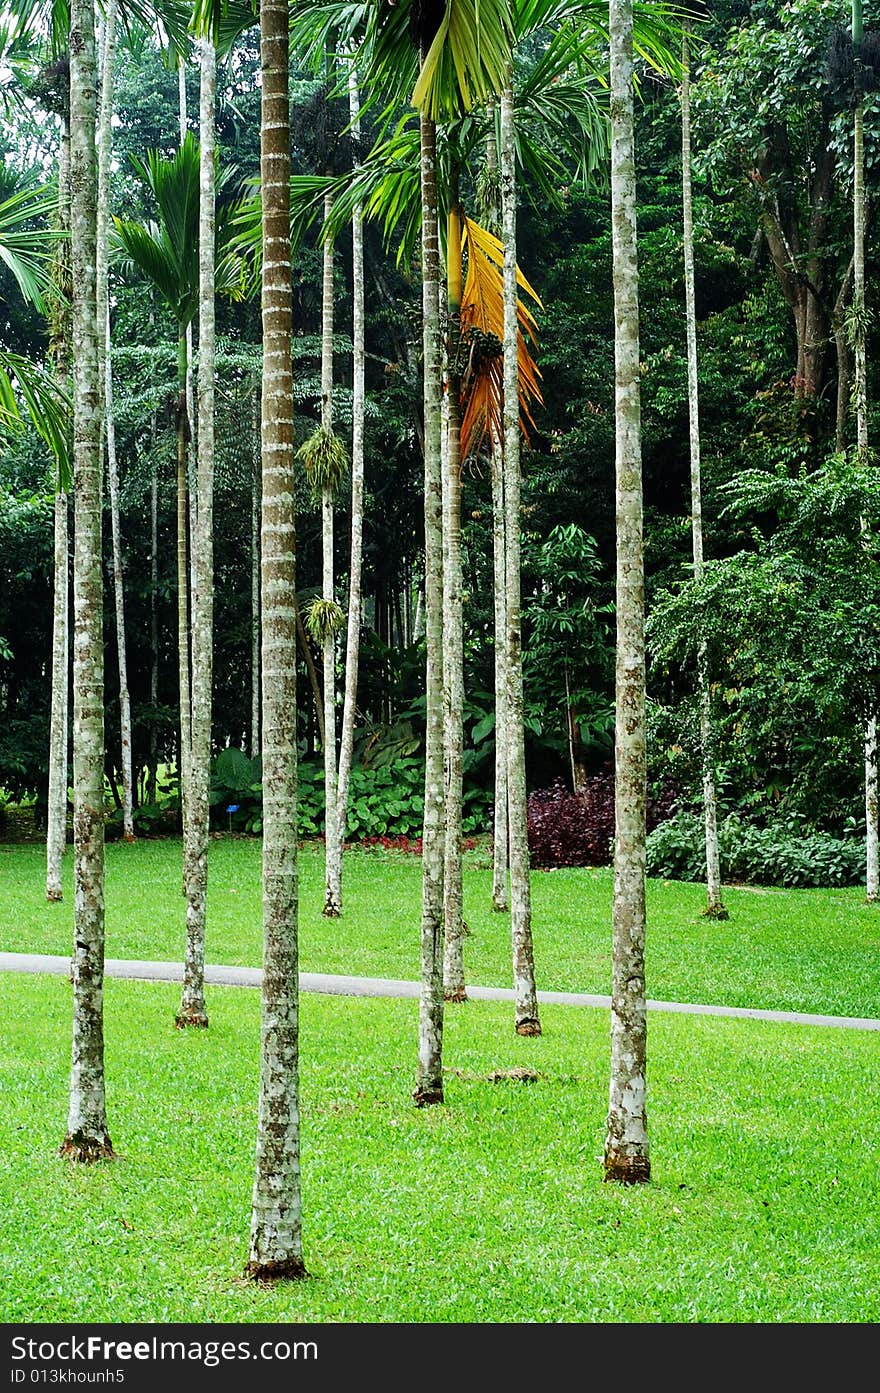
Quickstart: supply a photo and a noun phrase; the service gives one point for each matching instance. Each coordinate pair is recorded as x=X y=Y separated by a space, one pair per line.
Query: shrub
x=780 y=854
x=577 y=829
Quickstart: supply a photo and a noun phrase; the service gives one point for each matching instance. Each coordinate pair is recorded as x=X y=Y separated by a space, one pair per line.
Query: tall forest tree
x=276 y=1216
x=626 y=1143
x=87 y=1138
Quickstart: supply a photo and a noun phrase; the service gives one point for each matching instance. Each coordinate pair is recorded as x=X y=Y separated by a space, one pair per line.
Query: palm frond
x=23 y=383
x=468 y=59
x=27 y=251
x=482 y=331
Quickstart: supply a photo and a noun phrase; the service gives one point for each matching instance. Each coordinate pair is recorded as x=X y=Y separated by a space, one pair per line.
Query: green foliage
x=783 y=853
x=325 y=460
x=324 y=620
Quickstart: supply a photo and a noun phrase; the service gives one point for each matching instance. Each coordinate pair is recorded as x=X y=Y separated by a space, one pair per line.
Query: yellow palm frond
x=482 y=332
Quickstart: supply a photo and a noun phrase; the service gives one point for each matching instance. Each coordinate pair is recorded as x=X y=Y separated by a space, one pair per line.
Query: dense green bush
x=387 y=801
x=779 y=854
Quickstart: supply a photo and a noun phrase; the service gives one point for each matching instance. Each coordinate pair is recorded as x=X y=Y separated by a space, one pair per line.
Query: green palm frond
x=468 y=59
x=26 y=388
x=27 y=251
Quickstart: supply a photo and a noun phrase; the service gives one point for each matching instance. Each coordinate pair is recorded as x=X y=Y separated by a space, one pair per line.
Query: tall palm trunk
x=714 y=903
x=193 y=1011
x=105 y=150
x=183 y=669
x=255 y=583
x=332 y=866
x=626 y=1142
x=56 y=812
x=87 y=1137
x=499 y=563
x=154 y=610
x=860 y=384
x=353 y=635
x=429 y=1073
x=276 y=1218
x=453 y=654
x=56 y=827
x=526 y=1019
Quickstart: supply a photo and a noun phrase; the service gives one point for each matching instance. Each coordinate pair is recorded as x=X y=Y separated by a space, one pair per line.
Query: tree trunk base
x=332 y=910
x=715 y=911
x=627 y=1168
x=191 y=1018
x=455 y=994
x=290 y=1270
x=872 y=899
x=129 y=837
x=529 y=1026
x=86 y=1151
x=427 y=1097
x=54 y=896
x=500 y=905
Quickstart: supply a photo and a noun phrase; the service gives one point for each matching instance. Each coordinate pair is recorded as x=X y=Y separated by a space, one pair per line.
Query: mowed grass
x=762 y=1205
x=796 y=950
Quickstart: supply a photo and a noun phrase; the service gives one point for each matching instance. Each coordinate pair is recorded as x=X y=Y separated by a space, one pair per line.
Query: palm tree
x=626 y=1142
x=87 y=1137
x=167 y=252
x=714 y=902
x=276 y=1221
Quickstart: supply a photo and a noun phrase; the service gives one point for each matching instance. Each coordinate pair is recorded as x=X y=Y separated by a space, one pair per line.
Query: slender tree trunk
x=87 y=1137
x=255 y=585
x=626 y=1142
x=154 y=612
x=56 y=830
x=183 y=669
x=105 y=151
x=429 y=1074
x=860 y=382
x=276 y=1220
x=193 y=1011
x=714 y=902
x=526 y=1019
x=454 y=988
x=56 y=812
x=332 y=861
x=306 y=650
x=499 y=559
x=355 y=601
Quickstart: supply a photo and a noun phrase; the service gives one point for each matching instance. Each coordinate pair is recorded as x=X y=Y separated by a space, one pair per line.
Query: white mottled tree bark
x=429 y=1073
x=500 y=900
x=154 y=609
x=526 y=1019
x=105 y=151
x=87 y=1137
x=626 y=1141
x=193 y=1011
x=353 y=632
x=454 y=988
x=56 y=811
x=714 y=901
x=56 y=826
x=276 y=1217
x=255 y=584
x=860 y=392
x=332 y=857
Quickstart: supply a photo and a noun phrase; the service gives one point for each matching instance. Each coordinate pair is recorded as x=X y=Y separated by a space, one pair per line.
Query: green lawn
x=798 y=950
x=762 y=1206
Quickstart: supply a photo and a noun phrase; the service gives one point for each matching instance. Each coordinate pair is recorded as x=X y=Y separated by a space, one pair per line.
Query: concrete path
x=379 y=986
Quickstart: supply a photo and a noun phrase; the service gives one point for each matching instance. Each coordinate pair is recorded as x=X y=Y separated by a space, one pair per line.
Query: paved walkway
x=380 y=986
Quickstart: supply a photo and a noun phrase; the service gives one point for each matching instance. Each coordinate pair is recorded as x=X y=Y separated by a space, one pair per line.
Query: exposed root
x=331 y=910
x=530 y=1025
x=626 y=1168
x=189 y=1018
x=715 y=911
x=516 y=1075
x=427 y=1097
x=86 y=1151
x=290 y=1270
x=455 y=995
